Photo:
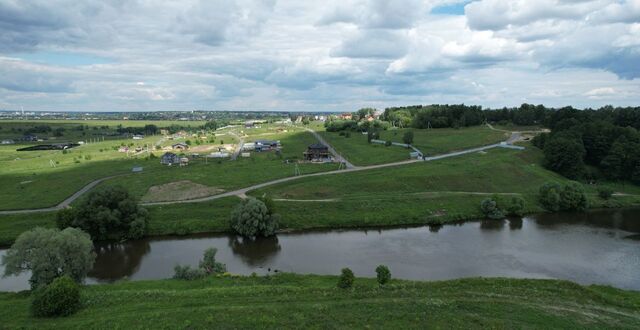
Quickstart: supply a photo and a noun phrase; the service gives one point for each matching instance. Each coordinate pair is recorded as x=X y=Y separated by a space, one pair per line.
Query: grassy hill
x=306 y=301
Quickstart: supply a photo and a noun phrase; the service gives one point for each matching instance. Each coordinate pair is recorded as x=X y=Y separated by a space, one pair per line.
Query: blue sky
x=315 y=56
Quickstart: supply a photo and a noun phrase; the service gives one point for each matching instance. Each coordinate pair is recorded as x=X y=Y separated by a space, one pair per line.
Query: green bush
x=346 y=279
x=387 y=143
x=252 y=218
x=383 y=274
x=60 y=298
x=187 y=273
x=489 y=208
x=549 y=196
x=209 y=263
x=516 y=206
x=573 y=197
x=605 y=192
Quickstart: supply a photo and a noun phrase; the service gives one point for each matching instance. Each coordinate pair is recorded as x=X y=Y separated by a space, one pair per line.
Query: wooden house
x=317 y=152
x=169 y=158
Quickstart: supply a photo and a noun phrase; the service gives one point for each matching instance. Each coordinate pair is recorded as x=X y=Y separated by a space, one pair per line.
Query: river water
x=599 y=247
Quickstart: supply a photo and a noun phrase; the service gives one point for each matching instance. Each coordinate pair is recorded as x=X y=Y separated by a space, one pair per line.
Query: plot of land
x=179 y=191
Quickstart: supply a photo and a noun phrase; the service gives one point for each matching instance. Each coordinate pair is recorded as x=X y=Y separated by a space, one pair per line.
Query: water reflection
x=255 y=252
x=491 y=224
x=515 y=223
x=116 y=260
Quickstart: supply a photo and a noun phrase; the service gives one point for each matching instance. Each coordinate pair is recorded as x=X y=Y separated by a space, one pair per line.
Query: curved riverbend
x=598 y=247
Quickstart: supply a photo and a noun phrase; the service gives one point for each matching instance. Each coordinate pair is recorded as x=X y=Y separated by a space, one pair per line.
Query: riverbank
x=303 y=301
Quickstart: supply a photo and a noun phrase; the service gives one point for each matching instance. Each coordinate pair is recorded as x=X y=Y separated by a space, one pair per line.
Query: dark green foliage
x=383 y=274
x=555 y=197
x=207 y=266
x=108 y=212
x=60 y=298
x=549 y=196
x=387 y=143
x=573 y=197
x=251 y=218
x=565 y=156
x=341 y=125
x=515 y=207
x=489 y=207
x=605 y=192
x=346 y=278
x=211 y=125
x=407 y=138
x=49 y=254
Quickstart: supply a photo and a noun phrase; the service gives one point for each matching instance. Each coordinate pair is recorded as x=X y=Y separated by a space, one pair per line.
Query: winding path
x=333 y=151
x=243 y=191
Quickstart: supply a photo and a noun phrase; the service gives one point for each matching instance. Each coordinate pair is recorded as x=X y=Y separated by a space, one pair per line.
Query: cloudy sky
x=316 y=55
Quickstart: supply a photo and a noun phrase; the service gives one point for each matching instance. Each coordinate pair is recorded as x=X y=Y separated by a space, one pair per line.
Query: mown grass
x=358 y=151
x=306 y=301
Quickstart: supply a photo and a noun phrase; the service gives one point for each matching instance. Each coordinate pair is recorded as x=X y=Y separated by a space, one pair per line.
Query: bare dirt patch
x=179 y=191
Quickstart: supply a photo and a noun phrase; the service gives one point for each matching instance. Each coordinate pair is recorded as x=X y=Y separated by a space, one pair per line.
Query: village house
x=8 y=142
x=180 y=146
x=346 y=116
x=169 y=158
x=138 y=136
x=317 y=152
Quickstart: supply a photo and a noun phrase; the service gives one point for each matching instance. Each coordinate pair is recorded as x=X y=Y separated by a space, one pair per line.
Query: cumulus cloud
x=333 y=55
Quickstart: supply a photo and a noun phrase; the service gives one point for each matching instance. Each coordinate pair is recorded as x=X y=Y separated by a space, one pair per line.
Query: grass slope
x=304 y=301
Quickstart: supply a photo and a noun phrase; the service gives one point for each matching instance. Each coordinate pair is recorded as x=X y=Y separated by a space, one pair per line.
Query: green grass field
x=358 y=151
x=306 y=301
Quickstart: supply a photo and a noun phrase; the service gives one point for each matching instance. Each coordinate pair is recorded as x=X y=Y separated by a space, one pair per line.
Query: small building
x=180 y=146
x=30 y=138
x=346 y=116
x=249 y=124
x=317 y=152
x=184 y=161
x=266 y=145
x=245 y=155
x=249 y=146
x=138 y=136
x=169 y=158
x=136 y=169
x=8 y=142
x=219 y=154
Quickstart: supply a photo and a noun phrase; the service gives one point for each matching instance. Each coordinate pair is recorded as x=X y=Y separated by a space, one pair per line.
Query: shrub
x=187 y=273
x=251 y=218
x=549 y=196
x=209 y=263
x=387 y=143
x=383 y=274
x=60 y=298
x=49 y=254
x=573 y=197
x=516 y=206
x=407 y=138
x=605 y=192
x=346 y=279
x=490 y=209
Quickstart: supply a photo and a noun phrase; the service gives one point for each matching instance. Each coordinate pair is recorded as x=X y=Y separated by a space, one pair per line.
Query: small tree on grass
x=549 y=196
x=60 y=298
x=573 y=197
x=516 y=206
x=490 y=209
x=605 y=192
x=383 y=274
x=252 y=218
x=346 y=279
x=407 y=138
x=49 y=254
x=107 y=212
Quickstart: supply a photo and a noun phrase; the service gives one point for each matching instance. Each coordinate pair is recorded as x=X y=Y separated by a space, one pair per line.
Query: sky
x=330 y=55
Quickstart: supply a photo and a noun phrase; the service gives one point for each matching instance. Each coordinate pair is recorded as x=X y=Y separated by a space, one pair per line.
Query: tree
x=573 y=197
x=549 y=196
x=605 y=192
x=407 y=138
x=209 y=263
x=107 y=213
x=251 y=218
x=60 y=298
x=515 y=206
x=383 y=274
x=490 y=209
x=211 y=125
x=346 y=278
x=49 y=254
x=565 y=156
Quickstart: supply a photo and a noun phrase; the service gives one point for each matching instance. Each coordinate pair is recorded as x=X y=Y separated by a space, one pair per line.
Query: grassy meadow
x=307 y=301
x=358 y=151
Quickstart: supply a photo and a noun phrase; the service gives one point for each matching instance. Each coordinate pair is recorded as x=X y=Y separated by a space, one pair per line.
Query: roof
x=180 y=144
x=266 y=142
x=318 y=146
x=169 y=154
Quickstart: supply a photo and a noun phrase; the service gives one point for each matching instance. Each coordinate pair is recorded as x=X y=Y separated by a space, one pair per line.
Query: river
x=598 y=247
